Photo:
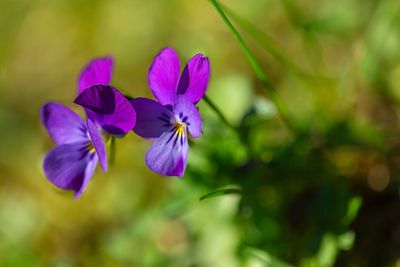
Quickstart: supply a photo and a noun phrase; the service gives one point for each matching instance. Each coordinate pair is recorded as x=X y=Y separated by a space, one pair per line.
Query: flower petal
x=168 y=155
x=189 y=114
x=107 y=107
x=163 y=76
x=70 y=166
x=89 y=171
x=194 y=80
x=98 y=71
x=63 y=125
x=98 y=144
x=152 y=118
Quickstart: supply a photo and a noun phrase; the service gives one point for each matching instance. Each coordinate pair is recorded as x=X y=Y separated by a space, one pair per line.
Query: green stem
x=112 y=150
x=269 y=88
x=219 y=113
x=265 y=41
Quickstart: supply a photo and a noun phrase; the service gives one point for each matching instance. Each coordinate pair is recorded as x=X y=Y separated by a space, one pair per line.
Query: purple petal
x=70 y=166
x=188 y=113
x=98 y=71
x=107 y=107
x=98 y=144
x=89 y=171
x=163 y=76
x=168 y=155
x=194 y=80
x=152 y=118
x=63 y=125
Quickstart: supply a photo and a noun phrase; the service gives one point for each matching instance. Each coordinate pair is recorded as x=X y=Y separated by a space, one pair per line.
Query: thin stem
x=219 y=113
x=269 y=88
x=112 y=150
x=265 y=41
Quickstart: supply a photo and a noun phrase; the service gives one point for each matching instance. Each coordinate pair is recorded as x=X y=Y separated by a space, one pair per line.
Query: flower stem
x=112 y=150
x=269 y=88
x=219 y=113
x=265 y=41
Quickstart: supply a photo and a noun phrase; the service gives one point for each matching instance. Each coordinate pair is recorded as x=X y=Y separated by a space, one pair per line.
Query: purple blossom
x=169 y=120
x=71 y=164
x=104 y=105
x=80 y=145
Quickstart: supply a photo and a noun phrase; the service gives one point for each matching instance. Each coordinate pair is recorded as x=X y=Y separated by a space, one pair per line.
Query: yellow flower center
x=106 y=139
x=91 y=147
x=179 y=128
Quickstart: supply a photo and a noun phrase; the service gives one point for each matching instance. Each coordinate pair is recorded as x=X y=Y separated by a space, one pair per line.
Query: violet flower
x=80 y=145
x=169 y=120
x=108 y=108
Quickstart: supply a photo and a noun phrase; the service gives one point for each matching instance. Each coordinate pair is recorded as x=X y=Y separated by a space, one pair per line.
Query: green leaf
x=221 y=192
x=353 y=208
x=265 y=258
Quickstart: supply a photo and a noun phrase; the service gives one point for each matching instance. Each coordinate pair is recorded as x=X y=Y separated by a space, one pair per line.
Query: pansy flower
x=81 y=144
x=169 y=119
x=108 y=108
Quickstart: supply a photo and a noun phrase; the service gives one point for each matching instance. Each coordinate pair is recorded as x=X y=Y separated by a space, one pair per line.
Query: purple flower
x=71 y=164
x=169 y=120
x=104 y=105
x=80 y=145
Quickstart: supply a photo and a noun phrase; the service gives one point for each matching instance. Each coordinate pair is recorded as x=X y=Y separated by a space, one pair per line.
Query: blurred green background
x=326 y=193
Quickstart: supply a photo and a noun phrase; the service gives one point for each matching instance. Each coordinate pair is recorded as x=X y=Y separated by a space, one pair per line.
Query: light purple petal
x=188 y=113
x=152 y=118
x=98 y=144
x=163 y=76
x=194 y=80
x=63 y=125
x=98 y=71
x=89 y=171
x=70 y=166
x=168 y=155
x=107 y=107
